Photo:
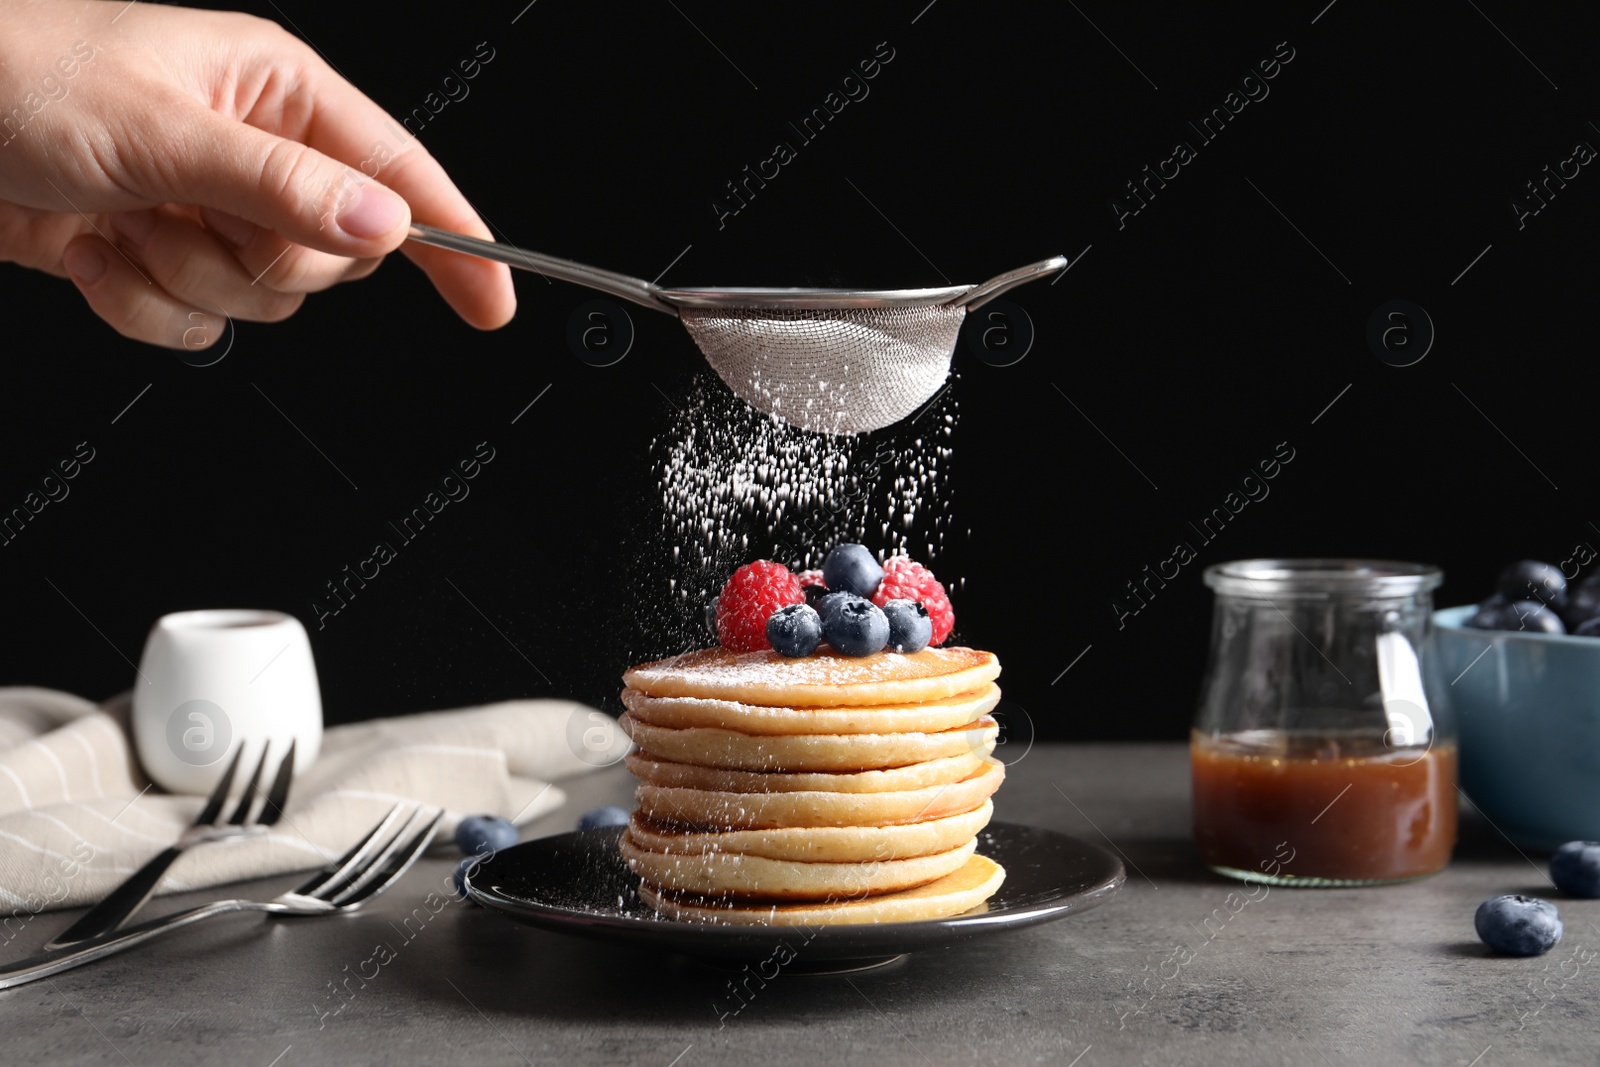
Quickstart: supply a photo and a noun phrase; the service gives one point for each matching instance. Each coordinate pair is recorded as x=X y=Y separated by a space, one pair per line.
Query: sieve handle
x=981 y=294
x=618 y=285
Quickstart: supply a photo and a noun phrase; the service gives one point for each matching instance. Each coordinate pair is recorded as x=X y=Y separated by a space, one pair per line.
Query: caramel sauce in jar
x=1323 y=808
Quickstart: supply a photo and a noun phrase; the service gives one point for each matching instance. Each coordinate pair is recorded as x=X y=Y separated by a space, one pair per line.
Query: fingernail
x=231 y=227
x=373 y=211
x=84 y=262
x=136 y=226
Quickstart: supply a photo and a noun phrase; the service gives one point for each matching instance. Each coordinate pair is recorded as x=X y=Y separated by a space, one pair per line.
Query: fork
x=130 y=896
x=370 y=867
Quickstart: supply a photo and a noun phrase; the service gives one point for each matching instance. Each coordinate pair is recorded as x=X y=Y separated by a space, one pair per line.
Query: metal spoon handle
x=981 y=294
x=618 y=285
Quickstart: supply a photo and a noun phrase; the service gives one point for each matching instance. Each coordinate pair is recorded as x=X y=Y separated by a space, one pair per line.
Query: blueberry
x=610 y=815
x=1531 y=580
x=711 y=617
x=460 y=876
x=1575 y=868
x=829 y=603
x=1487 y=617
x=1529 y=616
x=910 y=629
x=795 y=630
x=853 y=626
x=479 y=834
x=1518 y=925
x=851 y=569
x=814 y=593
x=1583 y=602
x=1589 y=627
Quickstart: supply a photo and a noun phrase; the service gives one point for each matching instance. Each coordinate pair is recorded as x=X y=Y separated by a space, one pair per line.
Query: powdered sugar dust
x=738 y=485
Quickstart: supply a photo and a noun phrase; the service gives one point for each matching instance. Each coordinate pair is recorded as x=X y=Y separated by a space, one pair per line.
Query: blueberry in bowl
x=1528 y=616
x=1525 y=696
x=1583 y=603
x=1528 y=579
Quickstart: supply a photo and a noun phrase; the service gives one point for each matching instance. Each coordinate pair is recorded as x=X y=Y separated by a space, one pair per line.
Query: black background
x=1197 y=337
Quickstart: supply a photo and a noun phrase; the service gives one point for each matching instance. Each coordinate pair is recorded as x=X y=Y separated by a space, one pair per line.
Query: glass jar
x=1318 y=759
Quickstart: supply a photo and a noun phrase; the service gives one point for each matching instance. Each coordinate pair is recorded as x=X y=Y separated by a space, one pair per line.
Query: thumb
x=287 y=187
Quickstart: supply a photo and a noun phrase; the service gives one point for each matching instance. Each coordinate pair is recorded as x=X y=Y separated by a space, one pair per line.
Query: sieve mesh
x=832 y=370
x=829 y=360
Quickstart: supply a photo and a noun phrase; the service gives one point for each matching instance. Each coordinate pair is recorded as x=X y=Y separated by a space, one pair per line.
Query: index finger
x=348 y=126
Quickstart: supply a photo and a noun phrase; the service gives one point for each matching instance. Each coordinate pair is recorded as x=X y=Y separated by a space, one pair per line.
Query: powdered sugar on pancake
x=825 y=679
x=929 y=716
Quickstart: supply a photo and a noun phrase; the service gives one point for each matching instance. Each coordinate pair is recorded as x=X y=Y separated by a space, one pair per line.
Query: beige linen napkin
x=77 y=815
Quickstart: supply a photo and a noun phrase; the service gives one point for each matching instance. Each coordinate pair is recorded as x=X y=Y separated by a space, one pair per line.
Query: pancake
x=824 y=679
x=961 y=891
x=931 y=716
x=754 y=877
x=719 y=810
x=706 y=746
x=821 y=844
x=647 y=767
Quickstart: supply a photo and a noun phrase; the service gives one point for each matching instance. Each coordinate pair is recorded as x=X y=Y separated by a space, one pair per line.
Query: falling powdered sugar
x=738 y=485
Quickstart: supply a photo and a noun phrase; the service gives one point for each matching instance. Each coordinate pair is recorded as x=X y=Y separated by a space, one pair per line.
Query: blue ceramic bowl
x=1527 y=708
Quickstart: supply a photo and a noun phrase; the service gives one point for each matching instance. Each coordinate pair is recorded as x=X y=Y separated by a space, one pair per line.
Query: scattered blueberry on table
x=610 y=815
x=1518 y=925
x=481 y=834
x=1575 y=868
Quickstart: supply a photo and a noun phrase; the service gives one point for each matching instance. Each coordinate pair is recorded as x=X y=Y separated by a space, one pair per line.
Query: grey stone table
x=1171 y=971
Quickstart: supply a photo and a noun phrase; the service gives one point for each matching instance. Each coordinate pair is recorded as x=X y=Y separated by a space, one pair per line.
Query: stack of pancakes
x=822 y=789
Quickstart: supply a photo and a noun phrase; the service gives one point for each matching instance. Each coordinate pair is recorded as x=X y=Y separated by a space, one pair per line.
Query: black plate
x=577 y=883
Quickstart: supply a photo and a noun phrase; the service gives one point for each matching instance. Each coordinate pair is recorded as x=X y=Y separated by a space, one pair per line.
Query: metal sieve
x=827 y=360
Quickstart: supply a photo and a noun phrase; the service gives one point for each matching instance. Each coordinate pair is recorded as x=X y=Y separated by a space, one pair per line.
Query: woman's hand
x=177 y=164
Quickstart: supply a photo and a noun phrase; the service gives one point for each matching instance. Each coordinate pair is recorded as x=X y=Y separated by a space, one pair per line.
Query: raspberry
x=906 y=579
x=754 y=592
x=806 y=578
